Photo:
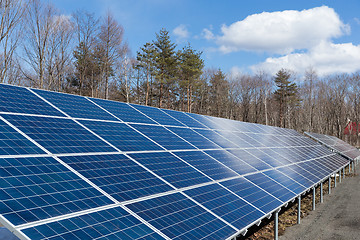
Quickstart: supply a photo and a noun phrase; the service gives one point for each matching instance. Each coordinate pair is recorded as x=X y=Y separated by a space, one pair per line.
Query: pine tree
x=191 y=66
x=146 y=61
x=166 y=63
x=285 y=94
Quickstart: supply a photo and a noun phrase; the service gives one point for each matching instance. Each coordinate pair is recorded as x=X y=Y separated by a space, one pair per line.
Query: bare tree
x=12 y=13
x=40 y=27
x=59 y=52
x=86 y=30
x=112 y=47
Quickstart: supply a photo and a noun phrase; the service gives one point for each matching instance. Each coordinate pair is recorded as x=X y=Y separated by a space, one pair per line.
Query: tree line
x=86 y=55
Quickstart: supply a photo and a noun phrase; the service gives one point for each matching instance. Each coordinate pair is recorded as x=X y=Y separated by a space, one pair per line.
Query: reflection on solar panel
x=336 y=144
x=74 y=167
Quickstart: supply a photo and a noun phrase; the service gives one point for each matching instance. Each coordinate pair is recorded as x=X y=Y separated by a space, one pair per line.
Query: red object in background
x=352 y=128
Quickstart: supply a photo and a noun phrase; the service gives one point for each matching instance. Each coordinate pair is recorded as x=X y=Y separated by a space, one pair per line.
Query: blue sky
x=244 y=36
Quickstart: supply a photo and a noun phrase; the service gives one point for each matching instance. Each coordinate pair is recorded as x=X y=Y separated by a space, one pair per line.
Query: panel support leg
x=335 y=180
x=276 y=225
x=299 y=210
x=343 y=172
x=330 y=185
x=340 y=176
x=321 y=193
x=350 y=168
x=353 y=166
x=313 y=198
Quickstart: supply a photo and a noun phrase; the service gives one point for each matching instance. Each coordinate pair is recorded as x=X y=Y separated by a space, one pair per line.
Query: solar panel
x=75 y=167
x=225 y=204
x=171 y=168
x=113 y=223
x=121 y=136
x=163 y=137
x=158 y=115
x=206 y=164
x=37 y=188
x=257 y=196
x=13 y=143
x=118 y=175
x=59 y=135
x=75 y=106
x=21 y=100
x=123 y=111
x=184 y=119
x=336 y=144
x=178 y=217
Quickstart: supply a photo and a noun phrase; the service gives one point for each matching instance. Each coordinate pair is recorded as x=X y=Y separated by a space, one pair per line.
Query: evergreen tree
x=146 y=61
x=285 y=94
x=166 y=63
x=219 y=94
x=191 y=66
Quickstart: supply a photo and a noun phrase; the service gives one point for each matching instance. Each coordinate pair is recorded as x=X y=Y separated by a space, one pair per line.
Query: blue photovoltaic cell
x=59 y=135
x=171 y=168
x=319 y=170
x=163 y=137
x=180 y=218
x=184 y=118
x=333 y=162
x=226 y=205
x=309 y=175
x=271 y=186
x=254 y=139
x=37 y=188
x=206 y=164
x=238 y=139
x=216 y=138
x=250 y=159
x=113 y=223
x=21 y=100
x=284 y=180
x=266 y=162
x=253 y=194
x=194 y=138
x=158 y=115
x=249 y=138
x=75 y=106
x=303 y=180
x=336 y=144
x=274 y=153
x=231 y=161
x=117 y=175
x=205 y=120
x=13 y=143
x=121 y=136
x=123 y=111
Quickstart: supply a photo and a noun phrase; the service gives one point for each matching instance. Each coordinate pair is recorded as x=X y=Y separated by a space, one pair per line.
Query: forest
x=87 y=55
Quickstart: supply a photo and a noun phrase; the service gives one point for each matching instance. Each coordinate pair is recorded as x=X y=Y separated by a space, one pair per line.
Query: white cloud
x=282 y=32
x=326 y=58
x=207 y=34
x=181 y=32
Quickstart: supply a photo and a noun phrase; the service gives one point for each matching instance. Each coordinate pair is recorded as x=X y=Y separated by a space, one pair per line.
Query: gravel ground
x=338 y=217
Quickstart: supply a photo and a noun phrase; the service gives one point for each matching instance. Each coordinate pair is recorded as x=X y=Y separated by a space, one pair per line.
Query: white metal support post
x=299 y=210
x=340 y=176
x=329 y=184
x=276 y=225
x=335 y=180
x=321 y=193
x=313 y=198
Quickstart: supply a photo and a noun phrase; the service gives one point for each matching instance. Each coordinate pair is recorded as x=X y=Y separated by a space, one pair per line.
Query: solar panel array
x=74 y=167
x=336 y=144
